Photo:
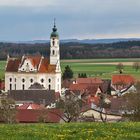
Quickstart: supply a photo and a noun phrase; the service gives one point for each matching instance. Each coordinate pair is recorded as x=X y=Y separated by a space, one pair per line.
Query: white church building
x=22 y=73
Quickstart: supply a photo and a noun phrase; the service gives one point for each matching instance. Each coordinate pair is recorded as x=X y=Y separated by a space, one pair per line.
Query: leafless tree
x=136 y=65
x=131 y=105
x=120 y=68
x=7 y=110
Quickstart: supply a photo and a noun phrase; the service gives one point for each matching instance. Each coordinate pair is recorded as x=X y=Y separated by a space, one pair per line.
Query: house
x=42 y=97
x=30 y=106
x=22 y=73
x=122 y=84
x=38 y=115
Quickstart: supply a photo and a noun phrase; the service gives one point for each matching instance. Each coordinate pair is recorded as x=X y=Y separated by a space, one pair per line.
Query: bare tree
x=136 y=65
x=131 y=105
x=71 y=108
x=120 y=68
x=7 y=110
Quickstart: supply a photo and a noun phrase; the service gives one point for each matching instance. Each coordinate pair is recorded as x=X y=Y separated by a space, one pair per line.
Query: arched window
x=31 y=80
x=49 y=87
x=23 y=80
x=49 y=80
x=23 y=87
x=10 y=79
x=15 y=86
x=53 y=52
x=42 y=80
x=10 y=86
x=53 y=42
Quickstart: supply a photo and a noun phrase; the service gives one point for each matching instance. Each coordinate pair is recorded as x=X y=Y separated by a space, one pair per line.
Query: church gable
x=28 y=66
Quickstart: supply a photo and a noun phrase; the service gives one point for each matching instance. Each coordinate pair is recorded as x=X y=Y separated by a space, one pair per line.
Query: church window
x=49 y=80
x=23 y=80
x=53 y=42
x=49 y=87
x=10 y=79
x=42 y=80
x=10 y=86
x=15 y=86
x=23 y=87
x=31 y=80
x=53 y=52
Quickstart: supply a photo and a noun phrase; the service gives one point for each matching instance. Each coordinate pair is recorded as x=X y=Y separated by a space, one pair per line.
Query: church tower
x=54 y=47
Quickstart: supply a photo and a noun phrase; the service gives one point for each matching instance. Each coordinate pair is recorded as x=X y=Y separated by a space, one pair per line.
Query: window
x=15 y=79
x=15 y=86
x=49 y=87
x=49 y=80
x=10 y=86
x=23 y=80
x=10 y=79
x=53 y=52
x=58 y=87
x=53 y=42
x=42 y=80
x=58 y=80
x=31 y=80
x=23 y=87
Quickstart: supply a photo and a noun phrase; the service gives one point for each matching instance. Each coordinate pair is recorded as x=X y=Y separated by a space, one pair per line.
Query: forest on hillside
x=129 y=49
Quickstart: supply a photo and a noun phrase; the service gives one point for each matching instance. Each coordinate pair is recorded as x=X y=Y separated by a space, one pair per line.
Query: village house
x=122 y=84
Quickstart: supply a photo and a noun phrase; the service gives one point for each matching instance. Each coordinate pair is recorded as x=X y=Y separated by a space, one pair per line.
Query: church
x=22 y=73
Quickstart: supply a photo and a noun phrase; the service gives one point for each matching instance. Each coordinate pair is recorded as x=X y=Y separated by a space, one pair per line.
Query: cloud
x=30 y=3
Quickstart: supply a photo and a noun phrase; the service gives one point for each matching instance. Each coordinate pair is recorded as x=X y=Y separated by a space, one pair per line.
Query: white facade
x=30 y=71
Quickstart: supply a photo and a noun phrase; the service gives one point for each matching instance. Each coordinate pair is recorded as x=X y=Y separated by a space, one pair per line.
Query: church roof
x=38 y=62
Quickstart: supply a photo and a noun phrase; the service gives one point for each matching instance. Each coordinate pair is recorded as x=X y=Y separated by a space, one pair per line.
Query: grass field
x=103 y=68
x=72 y=131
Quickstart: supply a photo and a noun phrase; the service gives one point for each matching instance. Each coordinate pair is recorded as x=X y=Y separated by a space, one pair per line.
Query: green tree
x=68 y=73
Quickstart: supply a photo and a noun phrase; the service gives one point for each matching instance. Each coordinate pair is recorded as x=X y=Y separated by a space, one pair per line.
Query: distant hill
x=75 y=50
x=84 y=41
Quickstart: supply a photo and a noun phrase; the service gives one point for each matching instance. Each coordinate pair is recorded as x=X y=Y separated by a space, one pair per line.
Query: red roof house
x=120 y=82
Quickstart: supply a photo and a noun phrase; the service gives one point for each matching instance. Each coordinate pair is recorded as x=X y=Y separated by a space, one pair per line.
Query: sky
x=26 y=20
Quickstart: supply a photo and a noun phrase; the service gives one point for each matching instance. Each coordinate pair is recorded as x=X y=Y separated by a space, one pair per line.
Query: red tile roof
x=123 y=79
x=90 y=88
x=41 y=63
x=89 y=80
x=13 y=65
x=33 y=116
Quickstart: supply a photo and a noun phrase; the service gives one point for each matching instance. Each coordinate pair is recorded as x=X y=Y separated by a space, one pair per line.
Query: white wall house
x=21 y=73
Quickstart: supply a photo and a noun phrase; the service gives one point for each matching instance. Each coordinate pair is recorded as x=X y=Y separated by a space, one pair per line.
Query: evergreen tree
x=68 y=73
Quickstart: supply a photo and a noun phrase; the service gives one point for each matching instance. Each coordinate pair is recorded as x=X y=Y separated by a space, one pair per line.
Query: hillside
x=75 y=131
x=74 y=50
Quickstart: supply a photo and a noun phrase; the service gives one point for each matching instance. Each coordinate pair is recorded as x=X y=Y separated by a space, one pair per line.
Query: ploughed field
x=71 y=131
x=102 y=68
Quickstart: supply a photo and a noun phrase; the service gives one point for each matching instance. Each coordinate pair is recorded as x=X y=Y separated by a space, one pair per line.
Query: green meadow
x=71 y=131
x=103 y=68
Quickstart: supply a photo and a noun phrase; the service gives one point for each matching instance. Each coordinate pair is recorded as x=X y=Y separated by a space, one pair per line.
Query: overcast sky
x=23 y=20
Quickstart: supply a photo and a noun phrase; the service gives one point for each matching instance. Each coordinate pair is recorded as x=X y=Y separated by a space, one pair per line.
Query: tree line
x=129 y=49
